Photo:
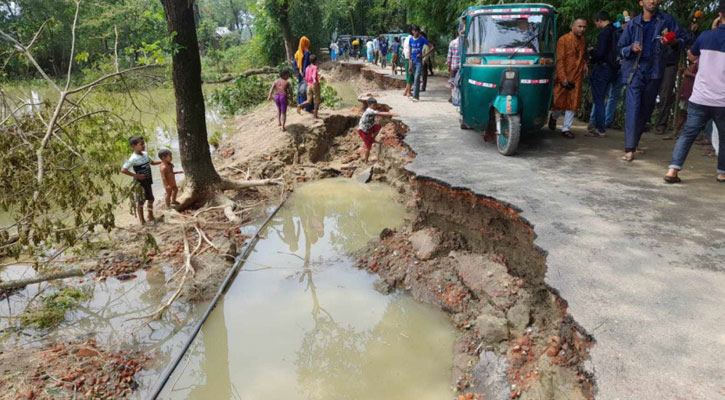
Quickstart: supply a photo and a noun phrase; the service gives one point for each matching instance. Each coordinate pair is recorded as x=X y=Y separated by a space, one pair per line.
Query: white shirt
x=367 y=120
x=406 y=47
x=370 y=46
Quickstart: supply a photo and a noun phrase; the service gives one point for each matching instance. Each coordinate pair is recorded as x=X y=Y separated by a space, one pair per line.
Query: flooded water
x=154 y=108
x=348 y=94
x=300 y=322
x=109 y=316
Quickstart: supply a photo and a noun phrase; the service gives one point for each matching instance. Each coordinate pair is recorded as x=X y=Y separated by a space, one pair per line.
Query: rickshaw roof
x=530 y=7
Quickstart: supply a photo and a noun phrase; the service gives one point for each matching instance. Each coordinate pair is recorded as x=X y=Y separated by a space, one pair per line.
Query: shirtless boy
x=167 y=177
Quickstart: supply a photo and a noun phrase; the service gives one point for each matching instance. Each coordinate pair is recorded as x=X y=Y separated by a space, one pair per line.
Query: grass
x=52 y=308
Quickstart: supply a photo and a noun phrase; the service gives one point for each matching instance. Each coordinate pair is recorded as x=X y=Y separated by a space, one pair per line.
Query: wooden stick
x=43 y=278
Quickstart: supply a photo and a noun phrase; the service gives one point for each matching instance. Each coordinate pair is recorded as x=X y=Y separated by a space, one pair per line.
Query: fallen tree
x=245 y=74
x=20 y=283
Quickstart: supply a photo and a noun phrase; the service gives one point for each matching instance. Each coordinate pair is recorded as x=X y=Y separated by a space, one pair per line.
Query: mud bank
x=475 y=258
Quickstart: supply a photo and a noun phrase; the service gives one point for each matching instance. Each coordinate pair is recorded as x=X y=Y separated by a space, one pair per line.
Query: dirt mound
x=474 y=258
x=69 y=370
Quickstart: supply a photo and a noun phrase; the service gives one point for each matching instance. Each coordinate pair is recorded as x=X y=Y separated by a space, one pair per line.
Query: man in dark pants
x=707 y=100
x=604 y=74
x=667 y=89
x=643 y=66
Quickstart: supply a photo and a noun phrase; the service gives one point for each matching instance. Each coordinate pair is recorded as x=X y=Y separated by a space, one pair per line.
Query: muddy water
x=300 y=322
x=154 y=108
x=348 y=94
x=109 y=316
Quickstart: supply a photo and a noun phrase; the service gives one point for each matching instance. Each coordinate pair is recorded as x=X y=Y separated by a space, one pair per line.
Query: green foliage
x=52 y=308
x=215 y=138
x=79 y=190
x=149 y=246
x=330 y=98
x=243 y=95
x=137 y=22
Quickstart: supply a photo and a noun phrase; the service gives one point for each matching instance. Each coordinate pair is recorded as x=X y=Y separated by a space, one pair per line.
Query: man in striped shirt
x=707 y=100
x=453 y=62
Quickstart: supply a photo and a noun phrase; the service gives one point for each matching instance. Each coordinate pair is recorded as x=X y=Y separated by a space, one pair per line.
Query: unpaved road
x=641 y=263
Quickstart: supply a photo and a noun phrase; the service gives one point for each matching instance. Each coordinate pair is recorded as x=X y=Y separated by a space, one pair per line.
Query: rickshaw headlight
x=510 y=74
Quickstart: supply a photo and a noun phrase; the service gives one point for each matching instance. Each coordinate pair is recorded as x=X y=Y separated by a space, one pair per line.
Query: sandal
x=594 y=133
x=567 y=134
x=628 y=157
x=672 y=179
x=720 y=180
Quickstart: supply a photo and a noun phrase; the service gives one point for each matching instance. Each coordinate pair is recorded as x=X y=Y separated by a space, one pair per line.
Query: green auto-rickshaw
x=507 y=69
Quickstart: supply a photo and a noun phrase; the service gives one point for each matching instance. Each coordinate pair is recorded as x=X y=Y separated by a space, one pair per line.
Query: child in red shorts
x=367 y=128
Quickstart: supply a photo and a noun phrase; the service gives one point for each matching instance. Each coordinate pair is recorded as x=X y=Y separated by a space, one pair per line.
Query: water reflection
x=301 y=322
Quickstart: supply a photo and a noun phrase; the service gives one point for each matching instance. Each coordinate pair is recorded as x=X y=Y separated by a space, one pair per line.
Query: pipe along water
x=238 y=263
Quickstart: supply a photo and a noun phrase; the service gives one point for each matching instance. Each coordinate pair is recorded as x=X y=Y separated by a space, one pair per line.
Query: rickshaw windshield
x=510 y=33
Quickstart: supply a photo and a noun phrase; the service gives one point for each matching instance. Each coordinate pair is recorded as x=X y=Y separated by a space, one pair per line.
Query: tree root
x=187 y=272
x=196 y=197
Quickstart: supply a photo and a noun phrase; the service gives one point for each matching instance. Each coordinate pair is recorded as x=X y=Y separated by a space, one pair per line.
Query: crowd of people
x=641 y=56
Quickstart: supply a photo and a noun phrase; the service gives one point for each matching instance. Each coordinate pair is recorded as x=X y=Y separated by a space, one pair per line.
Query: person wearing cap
x=707 y=100
x=643 y=66
x=367 y=128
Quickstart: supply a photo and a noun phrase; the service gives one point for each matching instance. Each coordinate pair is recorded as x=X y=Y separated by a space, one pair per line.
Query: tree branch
x=72 y=43
x=42 y=278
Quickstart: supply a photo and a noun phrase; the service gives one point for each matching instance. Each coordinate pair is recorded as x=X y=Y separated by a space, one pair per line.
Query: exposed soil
x=69 y=371
x=467 y=254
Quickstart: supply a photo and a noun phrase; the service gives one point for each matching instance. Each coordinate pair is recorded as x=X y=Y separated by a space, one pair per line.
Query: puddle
x=301 y=322
x=107 y=316
x=348 y=94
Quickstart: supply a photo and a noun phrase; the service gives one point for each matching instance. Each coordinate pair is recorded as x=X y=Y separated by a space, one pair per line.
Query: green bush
x=330 y=97
x=51 y=312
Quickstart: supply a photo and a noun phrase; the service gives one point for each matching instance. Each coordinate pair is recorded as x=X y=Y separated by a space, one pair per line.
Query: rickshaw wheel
x=509 y=133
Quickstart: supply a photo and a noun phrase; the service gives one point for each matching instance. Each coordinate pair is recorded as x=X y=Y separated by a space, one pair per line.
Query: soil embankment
x=470 y=255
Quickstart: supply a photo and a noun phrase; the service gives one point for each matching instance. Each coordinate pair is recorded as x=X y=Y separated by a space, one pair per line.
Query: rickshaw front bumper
x=506 y=104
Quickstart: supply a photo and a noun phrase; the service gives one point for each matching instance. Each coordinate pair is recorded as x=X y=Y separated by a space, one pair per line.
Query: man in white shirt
x=408 y=75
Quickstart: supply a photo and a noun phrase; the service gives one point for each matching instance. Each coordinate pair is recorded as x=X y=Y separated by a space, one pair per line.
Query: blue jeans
x=697 y=117
x=601 y=82
x=417 y=74
x=640 y=102
x=615 y=93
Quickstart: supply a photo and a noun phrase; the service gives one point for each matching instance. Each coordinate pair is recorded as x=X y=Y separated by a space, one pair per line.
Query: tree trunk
x=237 y=26
x=201 y=177
x=289 y=39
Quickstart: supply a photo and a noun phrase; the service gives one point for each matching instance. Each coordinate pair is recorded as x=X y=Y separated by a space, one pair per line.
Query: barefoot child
x=367 y=128
x=167 y=177
x=282 y=91
x=141 y=163
x=312 y=77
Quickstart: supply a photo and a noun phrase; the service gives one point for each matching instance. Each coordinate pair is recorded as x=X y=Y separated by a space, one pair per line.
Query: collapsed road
x=639 y=262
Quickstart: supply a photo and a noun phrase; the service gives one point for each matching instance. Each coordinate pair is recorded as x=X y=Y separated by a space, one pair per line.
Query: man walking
x=417 y=55
x=604 y=75
x=643 y=66
x=667 y=87
x=453 y=61
x=571 y=67
x=707 y=100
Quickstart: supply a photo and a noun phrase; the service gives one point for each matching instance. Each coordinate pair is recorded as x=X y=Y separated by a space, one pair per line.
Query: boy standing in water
x=141 y=163
x=281 y=89
x=312 y=77
x=367 y=128
x=167 y=177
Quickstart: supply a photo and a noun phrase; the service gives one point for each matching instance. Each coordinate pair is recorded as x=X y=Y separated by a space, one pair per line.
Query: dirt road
x=640 y=262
